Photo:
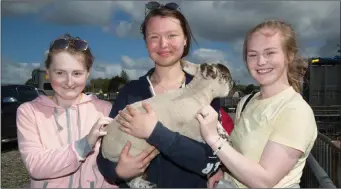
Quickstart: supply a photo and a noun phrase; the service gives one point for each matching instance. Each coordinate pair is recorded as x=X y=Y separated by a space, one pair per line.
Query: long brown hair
x=297 y=65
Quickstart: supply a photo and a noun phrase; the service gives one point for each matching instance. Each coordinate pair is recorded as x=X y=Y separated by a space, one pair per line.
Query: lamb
x=176 y=109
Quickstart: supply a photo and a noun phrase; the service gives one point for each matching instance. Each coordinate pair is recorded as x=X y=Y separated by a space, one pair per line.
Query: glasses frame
x=152 y=5
x=67 y=41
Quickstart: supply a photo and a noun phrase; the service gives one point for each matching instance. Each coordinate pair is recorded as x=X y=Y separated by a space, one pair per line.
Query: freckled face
x=266 y=59
x=165 y=40
x=67 y=75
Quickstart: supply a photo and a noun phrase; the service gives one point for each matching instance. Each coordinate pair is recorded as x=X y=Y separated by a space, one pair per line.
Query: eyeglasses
x=155 y=5
x=64 y=43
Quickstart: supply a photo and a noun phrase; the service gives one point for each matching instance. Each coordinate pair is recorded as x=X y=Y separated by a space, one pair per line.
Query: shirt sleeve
x=295 y=127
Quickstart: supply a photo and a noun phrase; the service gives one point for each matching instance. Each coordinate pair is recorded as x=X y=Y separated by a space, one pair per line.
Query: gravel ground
x=13 y=171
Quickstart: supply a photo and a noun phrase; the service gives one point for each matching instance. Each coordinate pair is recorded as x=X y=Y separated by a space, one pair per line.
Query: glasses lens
x=172 y=6
x=80 y=44
x=152 y=5
x=60 y=44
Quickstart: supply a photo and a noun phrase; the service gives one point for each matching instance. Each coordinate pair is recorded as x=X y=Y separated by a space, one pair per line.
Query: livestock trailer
x=322 y=90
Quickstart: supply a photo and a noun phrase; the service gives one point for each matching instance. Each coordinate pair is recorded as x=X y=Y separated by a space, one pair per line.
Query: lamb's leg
x=139 y=182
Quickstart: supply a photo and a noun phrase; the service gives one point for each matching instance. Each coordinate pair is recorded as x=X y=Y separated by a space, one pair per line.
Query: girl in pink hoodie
x=58 y=137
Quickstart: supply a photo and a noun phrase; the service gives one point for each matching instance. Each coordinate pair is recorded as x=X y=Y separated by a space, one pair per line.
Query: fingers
x=208 y=113
x=123 y=122
x=150 y=157
x=125 y=150
x=126 y=130
x=147 y=107
x=210 y=183
x=103 y=121
x=144 y=168
x=132 y=111
x=146 y=152
x=102 y=133
x=200 y=118
x=125 y=115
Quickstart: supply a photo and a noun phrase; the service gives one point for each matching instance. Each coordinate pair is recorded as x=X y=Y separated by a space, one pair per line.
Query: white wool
x=175 y=109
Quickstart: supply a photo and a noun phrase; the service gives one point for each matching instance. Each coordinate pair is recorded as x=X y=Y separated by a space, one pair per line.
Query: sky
x=112 y=29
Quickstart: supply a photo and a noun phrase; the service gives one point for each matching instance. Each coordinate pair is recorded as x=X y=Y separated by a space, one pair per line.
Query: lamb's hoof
x=140 y=183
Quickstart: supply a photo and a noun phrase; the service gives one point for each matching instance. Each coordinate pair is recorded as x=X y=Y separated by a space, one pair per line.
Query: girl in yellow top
x=273 y=136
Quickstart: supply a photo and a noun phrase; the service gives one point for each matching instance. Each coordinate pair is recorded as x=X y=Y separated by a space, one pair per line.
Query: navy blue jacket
x=182 y=162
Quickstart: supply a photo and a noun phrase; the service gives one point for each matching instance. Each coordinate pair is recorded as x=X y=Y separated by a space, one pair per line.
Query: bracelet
x=219 y=147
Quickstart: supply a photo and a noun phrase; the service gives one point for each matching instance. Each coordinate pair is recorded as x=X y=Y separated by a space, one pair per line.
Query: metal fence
x=314 y=176
x=229 y=103
x=323 y=167
x=328 y=120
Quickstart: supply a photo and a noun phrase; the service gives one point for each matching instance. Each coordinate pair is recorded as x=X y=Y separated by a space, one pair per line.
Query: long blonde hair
x=297 y=65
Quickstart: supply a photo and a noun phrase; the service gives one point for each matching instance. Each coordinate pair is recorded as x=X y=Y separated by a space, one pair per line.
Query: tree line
x=108 y=85
x=105 y=85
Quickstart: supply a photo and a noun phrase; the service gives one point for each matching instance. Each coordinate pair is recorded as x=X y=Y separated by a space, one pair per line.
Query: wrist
x=118 y=173
x=212 y=140
x=90 y=143
x=152 y=128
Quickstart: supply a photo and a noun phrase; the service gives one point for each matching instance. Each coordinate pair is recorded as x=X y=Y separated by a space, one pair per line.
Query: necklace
x=165 y=88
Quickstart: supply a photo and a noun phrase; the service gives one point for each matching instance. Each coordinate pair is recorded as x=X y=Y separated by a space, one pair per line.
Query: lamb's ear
x=190 y=67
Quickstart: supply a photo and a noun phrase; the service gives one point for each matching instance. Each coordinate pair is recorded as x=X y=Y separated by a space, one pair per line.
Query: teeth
x=264 y=71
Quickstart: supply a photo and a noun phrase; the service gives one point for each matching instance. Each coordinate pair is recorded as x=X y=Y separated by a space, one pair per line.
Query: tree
x=99 y=84
x=30 y=82
x=124 y=75
x=114 y=83
x=249 y=89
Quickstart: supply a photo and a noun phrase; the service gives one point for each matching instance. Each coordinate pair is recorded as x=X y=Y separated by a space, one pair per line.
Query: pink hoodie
x=53 y=146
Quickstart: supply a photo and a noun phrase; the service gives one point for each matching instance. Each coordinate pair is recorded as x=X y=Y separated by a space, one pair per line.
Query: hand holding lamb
x=136 y=123
x=175 y=109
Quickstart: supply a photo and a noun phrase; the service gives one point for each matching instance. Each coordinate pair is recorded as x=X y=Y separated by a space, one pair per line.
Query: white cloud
x=64 y=12
x=80 y=12
x=228 y=21
x=16 y=73
x=316 y=23
x=223 y=21
x=21 y=72
x=17 y=8
x=105 y=70
x=208 y=55
x=140 y=63
x=237 y=69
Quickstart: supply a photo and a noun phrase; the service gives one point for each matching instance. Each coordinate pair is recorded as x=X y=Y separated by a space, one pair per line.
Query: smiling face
x=67 y=74
x=165 y=40
x=265 y=57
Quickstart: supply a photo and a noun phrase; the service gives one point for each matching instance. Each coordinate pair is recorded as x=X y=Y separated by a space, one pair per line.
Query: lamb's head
x=214 y=77
x=217 y=77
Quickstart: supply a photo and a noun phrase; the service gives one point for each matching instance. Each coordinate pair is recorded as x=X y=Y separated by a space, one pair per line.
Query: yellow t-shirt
x=285 y=118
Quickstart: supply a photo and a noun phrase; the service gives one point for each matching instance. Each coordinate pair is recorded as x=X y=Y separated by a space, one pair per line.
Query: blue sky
x=33 y=41
x=112 y=29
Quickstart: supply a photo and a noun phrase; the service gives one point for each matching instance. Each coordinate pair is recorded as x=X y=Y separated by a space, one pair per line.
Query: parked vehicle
x=12 y=96
x=42 y=92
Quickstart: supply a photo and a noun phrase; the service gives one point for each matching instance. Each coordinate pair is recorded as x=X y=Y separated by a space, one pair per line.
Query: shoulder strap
x=247 y=101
